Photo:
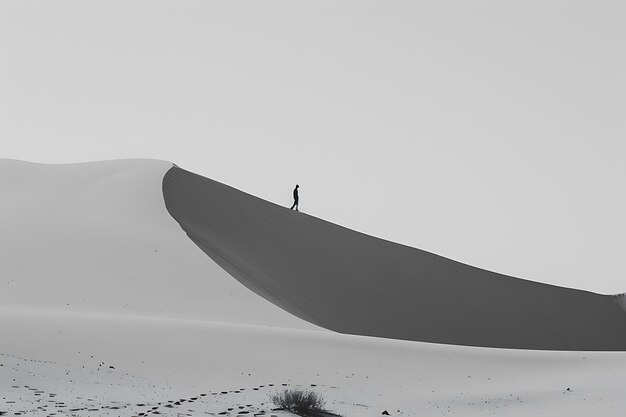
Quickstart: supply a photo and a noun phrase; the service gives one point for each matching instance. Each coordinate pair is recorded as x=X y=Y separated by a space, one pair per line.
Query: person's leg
x=293 y=205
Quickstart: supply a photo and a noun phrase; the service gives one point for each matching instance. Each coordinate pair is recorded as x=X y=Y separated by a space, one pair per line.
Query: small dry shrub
x=302 y=403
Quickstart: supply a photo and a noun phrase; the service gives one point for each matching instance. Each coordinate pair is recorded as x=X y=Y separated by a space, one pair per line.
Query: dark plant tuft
x=302 y=403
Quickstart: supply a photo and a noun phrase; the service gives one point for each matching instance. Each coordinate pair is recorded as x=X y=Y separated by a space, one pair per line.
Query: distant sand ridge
x=353 y=283
x=96 y=238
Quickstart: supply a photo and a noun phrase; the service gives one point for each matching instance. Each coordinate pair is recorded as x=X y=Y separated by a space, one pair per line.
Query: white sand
x=96 y=237
x=145 y=327
x=157 y=360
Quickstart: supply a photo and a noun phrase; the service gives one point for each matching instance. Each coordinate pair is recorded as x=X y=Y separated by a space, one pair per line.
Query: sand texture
x=107 y=308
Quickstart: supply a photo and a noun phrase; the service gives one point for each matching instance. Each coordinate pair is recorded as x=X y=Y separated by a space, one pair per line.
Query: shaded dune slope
x=353 y=283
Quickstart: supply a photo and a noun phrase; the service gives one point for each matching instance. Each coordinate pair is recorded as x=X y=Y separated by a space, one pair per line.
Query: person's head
x=297 y=186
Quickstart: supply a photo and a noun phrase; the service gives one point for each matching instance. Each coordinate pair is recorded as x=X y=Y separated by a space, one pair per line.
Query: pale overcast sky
x=490 y=132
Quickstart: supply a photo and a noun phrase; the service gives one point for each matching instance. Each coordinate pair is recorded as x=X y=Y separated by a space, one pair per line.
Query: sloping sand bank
x=353 y=283
x=96 y=237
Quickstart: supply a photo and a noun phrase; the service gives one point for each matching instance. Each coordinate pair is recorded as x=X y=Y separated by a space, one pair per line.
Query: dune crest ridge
x=353 y=283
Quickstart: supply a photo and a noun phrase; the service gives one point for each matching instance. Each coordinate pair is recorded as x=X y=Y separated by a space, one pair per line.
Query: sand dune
x=95 y=237
x=108 y=309
x=353 y=283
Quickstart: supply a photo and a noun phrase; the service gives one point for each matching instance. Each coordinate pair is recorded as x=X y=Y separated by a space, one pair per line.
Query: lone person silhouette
x=295 y=198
